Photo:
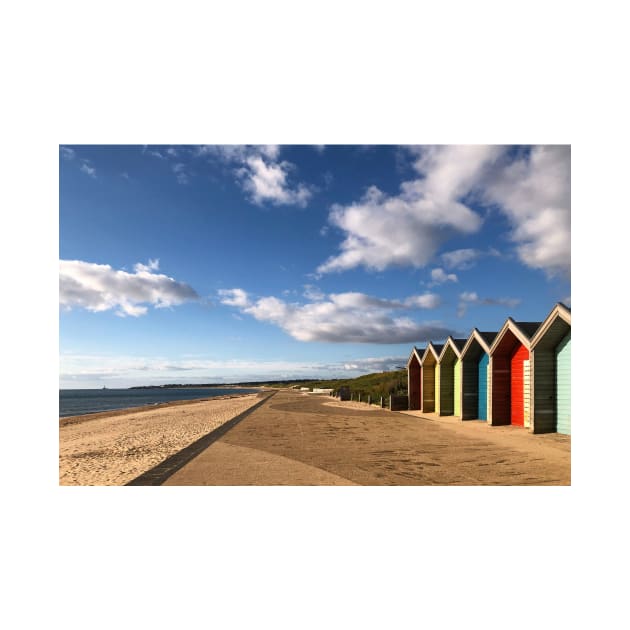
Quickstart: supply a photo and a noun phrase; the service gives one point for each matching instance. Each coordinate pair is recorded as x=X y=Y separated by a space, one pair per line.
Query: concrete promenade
x=299 y=439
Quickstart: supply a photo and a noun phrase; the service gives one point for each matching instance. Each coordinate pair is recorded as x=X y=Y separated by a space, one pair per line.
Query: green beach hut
x=551 y=360
x=450 y=378
x=430 y=378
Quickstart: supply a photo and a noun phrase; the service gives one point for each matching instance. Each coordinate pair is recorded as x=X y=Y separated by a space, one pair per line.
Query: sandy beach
x=112 y=448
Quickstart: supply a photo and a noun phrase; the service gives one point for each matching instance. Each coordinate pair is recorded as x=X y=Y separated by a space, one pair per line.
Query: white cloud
x=88 y=170
x=67 y=153
x=153 y=265
x=407 y=229
x=468 y=298
x=534 y=191
x=267 y=181
x=439 y=276
x=260 y=174
x=531 y=187
x=100 y=288
x=233 y=297
x=428 y=300
x=343 y=317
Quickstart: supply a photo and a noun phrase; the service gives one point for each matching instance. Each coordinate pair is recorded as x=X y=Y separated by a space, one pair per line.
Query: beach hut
x=430 y=378
x=551 y=374
x=510 y=384
x=475 y=359
x=450 y=378
x=414 y=378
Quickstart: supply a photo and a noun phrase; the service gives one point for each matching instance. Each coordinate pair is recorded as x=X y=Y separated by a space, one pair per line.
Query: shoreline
x=95 y=415
x=114 y=447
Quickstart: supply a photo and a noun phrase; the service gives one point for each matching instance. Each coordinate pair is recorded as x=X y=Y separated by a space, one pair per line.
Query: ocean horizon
x=76 y=402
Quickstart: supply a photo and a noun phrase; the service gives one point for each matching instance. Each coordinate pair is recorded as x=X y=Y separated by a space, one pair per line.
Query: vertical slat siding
x=500 y=390
x=516 y=384
x=563 y=385
x=470 y=377
x=447 y=383
x=457 y=393
x=544 y=379
x=414 y=384
x=438 y=378
x=428 y=388
x=527 y=391
x=482 y=379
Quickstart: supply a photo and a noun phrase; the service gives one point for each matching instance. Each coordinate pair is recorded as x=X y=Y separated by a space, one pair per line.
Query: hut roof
x=488 y=337
x=528 y=328
x=460 y=343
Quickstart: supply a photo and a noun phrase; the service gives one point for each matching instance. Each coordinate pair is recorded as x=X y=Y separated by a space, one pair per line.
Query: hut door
x=517 y=397
x=526 y=394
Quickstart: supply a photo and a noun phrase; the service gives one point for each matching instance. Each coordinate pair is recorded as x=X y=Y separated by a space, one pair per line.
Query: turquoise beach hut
x=475 y=363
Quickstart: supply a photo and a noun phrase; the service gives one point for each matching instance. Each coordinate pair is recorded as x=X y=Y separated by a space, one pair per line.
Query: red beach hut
x=510 y=383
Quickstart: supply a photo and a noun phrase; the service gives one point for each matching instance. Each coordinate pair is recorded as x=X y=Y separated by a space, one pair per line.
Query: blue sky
x=224 y=263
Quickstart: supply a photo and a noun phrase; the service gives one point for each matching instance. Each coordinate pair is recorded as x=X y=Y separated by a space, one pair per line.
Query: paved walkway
x=300 y=439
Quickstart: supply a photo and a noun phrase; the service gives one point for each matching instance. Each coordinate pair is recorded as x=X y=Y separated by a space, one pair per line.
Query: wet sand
x=114 y=447
x=300 y=439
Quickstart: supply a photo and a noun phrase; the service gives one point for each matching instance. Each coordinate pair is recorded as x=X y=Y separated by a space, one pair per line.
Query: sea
x=75 y=402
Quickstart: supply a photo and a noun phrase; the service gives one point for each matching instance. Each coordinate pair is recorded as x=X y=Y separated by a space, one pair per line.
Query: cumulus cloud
x=530 y=186
x=260 y=173
x=439 y=276
x=343 y=317
x=407 y=229
x=99 y=288
x=468 y=298
x=534 y=191
x=265 y=180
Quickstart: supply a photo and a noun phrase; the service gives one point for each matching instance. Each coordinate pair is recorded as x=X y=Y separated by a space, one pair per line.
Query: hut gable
x=452 y=347
x=554 y=327
x=521 y=332
x=478 y=343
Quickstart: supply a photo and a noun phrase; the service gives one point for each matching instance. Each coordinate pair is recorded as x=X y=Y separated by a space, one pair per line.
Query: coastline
x=85 y=417
x=113 y=447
